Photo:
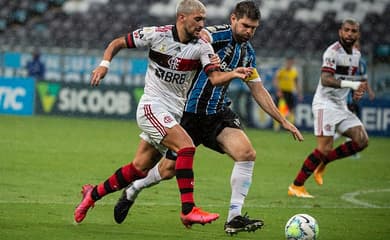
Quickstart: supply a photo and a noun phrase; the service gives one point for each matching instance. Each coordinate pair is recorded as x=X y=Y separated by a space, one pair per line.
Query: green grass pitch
x=44 y=161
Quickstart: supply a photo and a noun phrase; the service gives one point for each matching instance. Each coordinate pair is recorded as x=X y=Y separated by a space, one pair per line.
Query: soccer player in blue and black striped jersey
x=209 y=121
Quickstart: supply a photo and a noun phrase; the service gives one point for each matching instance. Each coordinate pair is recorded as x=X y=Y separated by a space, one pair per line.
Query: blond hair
x=189 y=6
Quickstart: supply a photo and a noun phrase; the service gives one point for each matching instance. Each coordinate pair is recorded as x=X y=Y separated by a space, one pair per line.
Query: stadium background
x=71 y=36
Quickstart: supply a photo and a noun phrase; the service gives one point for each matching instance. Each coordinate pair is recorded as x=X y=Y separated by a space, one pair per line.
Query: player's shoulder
x=333 y=49
x=157 y=30
x=218 y=28
x=250 y=48
x=163 y=28
x=356 y=51
x=220 y=33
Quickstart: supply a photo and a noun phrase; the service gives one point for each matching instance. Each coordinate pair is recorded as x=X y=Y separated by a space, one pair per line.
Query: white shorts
x=153 y=118
x=328 y=121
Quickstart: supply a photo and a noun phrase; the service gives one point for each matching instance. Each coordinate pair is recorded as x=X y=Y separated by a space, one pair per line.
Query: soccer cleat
x=319 y=173
x=242 y=224
x=86 y=203
x=122 y=207
x=197 y=215
x=298 y=191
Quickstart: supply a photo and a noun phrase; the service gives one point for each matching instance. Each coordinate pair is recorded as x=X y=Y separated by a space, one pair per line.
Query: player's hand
x=359 y=93
x=244 y=72
x=214 y=59
x=294 y=130
x=97 y=75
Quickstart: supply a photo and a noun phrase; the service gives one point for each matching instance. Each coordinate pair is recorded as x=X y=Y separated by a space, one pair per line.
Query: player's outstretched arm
x=112 y=49
x=265 y=101
x=219 y=78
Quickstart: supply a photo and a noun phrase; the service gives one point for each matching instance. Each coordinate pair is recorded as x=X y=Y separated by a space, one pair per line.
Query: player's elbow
x=216 y=79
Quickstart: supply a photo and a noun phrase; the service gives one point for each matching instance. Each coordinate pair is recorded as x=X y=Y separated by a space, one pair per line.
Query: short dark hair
x=247 y=8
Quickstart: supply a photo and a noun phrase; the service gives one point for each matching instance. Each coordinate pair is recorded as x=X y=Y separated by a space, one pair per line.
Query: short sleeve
x=329 y=61
x=206 y=52
x=141 y=37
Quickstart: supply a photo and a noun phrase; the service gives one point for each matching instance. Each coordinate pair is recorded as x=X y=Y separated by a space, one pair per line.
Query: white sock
x=240 y=182
x=151 y=179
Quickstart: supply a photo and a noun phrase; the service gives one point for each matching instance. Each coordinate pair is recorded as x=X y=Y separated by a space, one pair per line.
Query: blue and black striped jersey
x=203 y=98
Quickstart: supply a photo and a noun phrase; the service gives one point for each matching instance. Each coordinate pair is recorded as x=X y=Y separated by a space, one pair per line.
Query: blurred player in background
x=209 y=121
x=175 y=54
x=288 y=89
x=331 y=114
x=353 y=105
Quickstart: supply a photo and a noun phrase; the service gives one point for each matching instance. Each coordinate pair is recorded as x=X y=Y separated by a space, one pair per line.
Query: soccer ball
x=301 y=227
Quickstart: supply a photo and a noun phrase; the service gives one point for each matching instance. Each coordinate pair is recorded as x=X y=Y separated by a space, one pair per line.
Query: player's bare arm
x=265 y=101
x=219 y=78
x=113 y=48
x=328 y=80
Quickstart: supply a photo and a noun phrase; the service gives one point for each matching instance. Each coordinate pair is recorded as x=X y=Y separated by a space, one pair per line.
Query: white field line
x=351 y=197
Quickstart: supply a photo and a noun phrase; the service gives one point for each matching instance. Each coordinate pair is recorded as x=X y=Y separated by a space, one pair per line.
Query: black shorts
x=290 y=99
x=204 y=129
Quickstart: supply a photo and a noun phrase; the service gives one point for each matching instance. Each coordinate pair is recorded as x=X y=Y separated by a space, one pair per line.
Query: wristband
x=349 y=84
x=105 y=63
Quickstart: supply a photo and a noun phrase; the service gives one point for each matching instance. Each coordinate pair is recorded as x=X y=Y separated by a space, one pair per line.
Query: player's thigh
x=236 y=144
x=160 y=127
x=177 y=138
x=358 y=134
x=352 y=127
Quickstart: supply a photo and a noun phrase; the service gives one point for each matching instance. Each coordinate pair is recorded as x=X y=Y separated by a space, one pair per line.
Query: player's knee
x=363 y=142
x=246 y=154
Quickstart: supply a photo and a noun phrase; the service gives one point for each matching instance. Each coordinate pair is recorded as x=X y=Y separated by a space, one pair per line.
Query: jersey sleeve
x=206 y=52
x=141 y=37
x=329 y=61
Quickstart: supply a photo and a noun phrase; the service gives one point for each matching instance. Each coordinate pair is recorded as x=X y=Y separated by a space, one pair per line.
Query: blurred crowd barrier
x=65 y=89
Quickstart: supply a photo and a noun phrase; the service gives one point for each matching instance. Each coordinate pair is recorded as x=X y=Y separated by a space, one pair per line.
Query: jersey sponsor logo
x=138 y=34
x=330 y=62
x=163 y=48
x=171 y=77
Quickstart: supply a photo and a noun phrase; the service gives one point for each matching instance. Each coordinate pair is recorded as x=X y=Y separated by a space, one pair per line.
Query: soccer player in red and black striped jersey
x=175 y=54
x=331 y=114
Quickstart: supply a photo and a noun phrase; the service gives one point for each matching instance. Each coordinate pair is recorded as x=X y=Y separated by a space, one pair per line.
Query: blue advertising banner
x=17 y=96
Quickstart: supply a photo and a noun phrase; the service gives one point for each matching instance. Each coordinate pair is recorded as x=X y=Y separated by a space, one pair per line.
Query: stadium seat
x=297 y=25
